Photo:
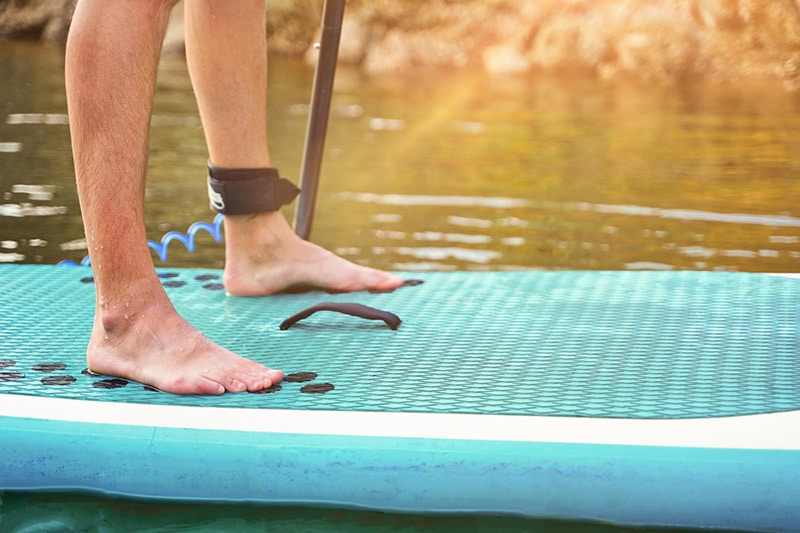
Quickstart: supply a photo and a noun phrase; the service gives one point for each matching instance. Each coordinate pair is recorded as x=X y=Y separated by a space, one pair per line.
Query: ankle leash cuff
x=246 y=191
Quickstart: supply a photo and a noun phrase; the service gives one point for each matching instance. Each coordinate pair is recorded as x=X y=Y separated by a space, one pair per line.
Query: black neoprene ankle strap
x=246 y=191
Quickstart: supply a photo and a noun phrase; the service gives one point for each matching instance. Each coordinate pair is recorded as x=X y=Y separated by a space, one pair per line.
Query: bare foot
x=156 y=347
x=264 y=256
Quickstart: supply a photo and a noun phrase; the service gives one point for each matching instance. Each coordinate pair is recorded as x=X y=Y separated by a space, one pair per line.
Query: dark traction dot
x=49 y=367
x=58 y=380
x=10 y=376
x=113 y=383
x=317 y=388
x=167 y=275
x=150 y=389
x=268 y=390
x=87 y=372
x=300 y=377
x=206 y=277
x=214 y=286
x=88 y=279
x=174 y=283
x=5 y=363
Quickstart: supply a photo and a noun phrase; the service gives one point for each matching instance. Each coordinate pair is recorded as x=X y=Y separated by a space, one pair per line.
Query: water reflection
x=693 y=215
x=38 y=118
x=419 y=200
x=10 y=147
x=452 y=172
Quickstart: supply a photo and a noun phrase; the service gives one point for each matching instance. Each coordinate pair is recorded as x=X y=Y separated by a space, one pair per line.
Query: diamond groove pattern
x=581 y=344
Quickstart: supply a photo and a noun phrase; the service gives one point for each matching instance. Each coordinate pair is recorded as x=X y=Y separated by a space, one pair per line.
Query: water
x=453 y=171
x=448 y=171
x=59 y=513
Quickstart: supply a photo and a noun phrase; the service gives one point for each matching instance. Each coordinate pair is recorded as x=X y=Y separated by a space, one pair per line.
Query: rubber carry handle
x=352 y=309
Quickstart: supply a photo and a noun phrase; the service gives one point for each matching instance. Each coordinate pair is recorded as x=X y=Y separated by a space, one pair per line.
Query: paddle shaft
x=332 y=14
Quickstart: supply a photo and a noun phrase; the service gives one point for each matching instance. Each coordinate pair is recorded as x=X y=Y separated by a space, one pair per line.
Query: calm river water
x=442 y=172
x=452 y=171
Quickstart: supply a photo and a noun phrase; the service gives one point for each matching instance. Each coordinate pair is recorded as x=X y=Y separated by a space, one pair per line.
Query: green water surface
x=57 y=512
x=452 y=170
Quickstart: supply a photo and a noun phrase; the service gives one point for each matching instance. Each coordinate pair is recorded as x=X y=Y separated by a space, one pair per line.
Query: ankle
x=260 y=231
x=114 y=322
x=118 y=316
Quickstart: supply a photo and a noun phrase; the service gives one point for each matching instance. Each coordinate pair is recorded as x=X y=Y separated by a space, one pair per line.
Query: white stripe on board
x=779 y=431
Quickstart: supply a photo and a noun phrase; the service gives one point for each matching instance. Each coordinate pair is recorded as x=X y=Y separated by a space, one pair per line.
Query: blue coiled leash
x=162 y=247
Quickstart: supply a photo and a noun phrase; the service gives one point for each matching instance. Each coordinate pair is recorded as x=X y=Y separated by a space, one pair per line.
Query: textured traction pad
x=572 y=343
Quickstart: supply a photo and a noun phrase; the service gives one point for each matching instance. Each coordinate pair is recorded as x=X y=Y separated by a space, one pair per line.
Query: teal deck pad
x=650 y=345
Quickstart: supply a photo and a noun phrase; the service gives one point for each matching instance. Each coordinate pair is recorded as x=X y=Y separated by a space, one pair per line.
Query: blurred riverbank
x=663 y=41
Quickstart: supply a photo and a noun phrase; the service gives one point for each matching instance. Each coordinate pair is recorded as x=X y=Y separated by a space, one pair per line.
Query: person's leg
x=227 y=55
x=111 y=60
